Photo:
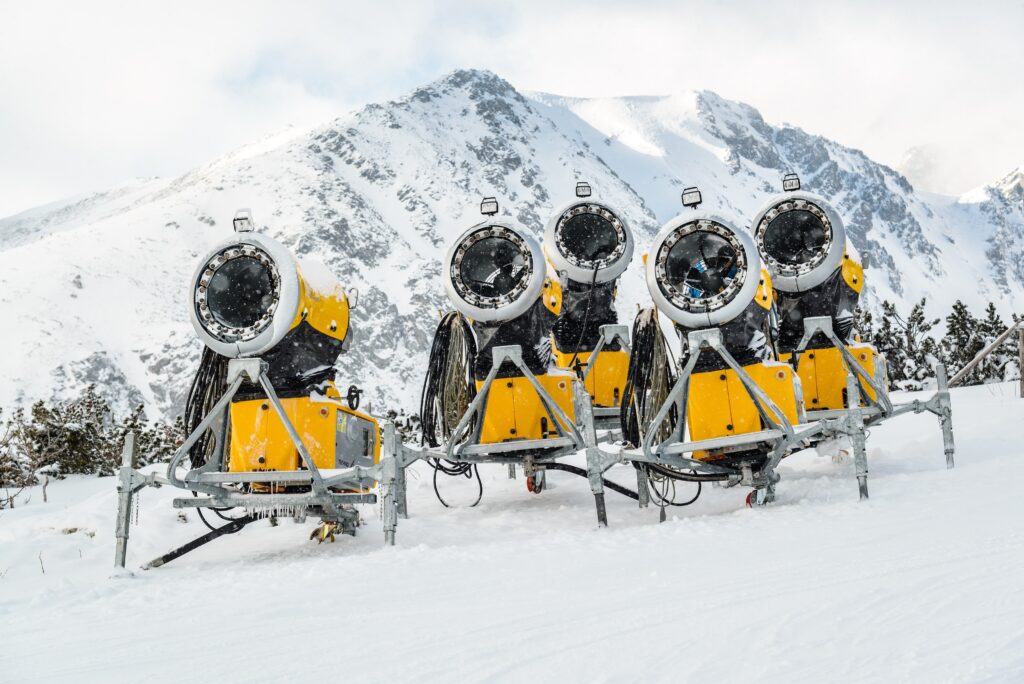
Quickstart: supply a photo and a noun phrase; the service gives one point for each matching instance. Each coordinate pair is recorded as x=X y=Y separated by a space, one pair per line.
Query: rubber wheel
x=535 y=483
x=750 y=498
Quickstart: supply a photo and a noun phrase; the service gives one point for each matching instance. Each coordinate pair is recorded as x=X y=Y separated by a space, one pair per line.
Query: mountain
x=94 y=288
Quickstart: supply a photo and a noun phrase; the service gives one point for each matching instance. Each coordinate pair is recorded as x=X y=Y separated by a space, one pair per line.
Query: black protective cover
x=746 y=337
x=832 y=298
x=530 y=331
x=577 y=329
x=303 y=361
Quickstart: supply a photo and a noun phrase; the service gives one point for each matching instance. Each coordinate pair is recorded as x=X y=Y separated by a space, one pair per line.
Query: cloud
x=94 y=94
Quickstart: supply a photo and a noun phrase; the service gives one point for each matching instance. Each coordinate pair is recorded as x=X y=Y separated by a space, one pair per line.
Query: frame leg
x=855 y=423
x=585 y=424
x=596 y=485
x=401 y=502
x=860 y=459
x=643 y=493
x=946 y=414
x=389 y=483
x=124 y=499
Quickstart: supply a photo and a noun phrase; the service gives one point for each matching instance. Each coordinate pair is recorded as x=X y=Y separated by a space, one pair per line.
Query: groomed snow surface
x=924 y=582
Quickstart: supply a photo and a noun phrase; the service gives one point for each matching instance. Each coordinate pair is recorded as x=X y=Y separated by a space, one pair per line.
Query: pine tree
x=407 y=426
x=15 y=474
x=156 y=442
x=993 y=367
x=911 y=352
x=888 y=340
x=962 y=342
x=922 y=349
x=863 y=325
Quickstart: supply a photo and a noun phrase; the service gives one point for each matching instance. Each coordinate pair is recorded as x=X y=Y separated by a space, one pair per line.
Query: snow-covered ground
x=924 y=582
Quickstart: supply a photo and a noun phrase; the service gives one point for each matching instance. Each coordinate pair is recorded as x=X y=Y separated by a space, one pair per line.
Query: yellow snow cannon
x=589 y=246
x=251 y=298
x=268 y=432
x=730 y=413
x=491 y=393
x=817 y=276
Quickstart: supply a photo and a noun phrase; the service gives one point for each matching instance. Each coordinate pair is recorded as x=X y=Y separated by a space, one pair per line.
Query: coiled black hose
x=207 y=385
x=448 y=387
x=648 y=381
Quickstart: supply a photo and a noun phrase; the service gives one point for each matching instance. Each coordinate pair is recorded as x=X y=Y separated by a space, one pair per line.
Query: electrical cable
x=649 y=380
x=583 y=327
x=662 y=480
x=468 y=470
x=565 y=467
x=209 y=381
x=448 y=388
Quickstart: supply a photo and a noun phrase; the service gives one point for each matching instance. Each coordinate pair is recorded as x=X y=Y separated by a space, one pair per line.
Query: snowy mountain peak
x=1012 y=185
x=97 y=284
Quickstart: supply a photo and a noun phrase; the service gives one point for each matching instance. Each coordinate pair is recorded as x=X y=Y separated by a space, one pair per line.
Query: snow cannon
x=269 y=434
x=738 y=403
x=817 y=276
x=490 y=385
x=589 y=246
x=250 y=297
x=703 y=273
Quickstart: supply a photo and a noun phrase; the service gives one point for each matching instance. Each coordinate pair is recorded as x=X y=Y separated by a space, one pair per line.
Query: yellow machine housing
x=720 y=406
x=606 y=379
x=552 y=295
x=335 y=435
x=326 y=312
x=513 y=410
x=823 y=374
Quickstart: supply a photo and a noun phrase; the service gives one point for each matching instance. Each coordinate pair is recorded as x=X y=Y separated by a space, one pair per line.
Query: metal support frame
x=881 y=408
x=607 y=417
x=464 y=446
x=215 y=484
x=459 y=448
x=779 y=435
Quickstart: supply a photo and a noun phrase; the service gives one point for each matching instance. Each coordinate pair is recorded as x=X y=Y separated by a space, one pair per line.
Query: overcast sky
x=93 y=94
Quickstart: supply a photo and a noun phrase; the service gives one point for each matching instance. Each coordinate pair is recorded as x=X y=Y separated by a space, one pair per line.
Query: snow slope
x=922 y=583
x=92 y=289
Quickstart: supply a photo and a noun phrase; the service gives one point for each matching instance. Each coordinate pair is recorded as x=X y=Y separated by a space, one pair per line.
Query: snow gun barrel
x=801 y=239
x=494 y=272
x=249 y=296
x=587 y=242
x=814 y=269
x=703 y=272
